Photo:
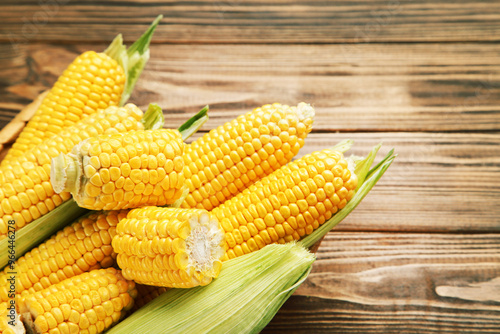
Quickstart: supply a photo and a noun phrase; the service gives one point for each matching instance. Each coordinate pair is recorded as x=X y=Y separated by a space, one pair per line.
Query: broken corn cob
x=88 y=303
x=9 y=320
x=83 y=246
x=287 y=204
x=231 y=157
x=25 y=190
x=91 y=82
x=112 y=172
x=169 y=247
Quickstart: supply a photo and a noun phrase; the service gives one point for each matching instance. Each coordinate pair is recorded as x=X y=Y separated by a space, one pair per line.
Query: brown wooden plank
x=398 y=283
x=438 y=182
x=257 y=21
x=414 y=87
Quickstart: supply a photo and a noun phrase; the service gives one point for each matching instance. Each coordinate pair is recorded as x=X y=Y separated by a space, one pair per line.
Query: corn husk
x=243 y=299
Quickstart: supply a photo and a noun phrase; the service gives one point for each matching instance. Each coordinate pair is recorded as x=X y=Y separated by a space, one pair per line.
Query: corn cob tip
x=29 y=324
x=9 y=317
x=351 y=165
x=305 y=110
x=64 y=173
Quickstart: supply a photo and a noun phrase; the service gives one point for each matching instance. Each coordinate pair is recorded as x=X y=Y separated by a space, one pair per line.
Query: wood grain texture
x=415 y=87
x=257 y=21
x=398 y=283
x=421 y=253
x=439 y=182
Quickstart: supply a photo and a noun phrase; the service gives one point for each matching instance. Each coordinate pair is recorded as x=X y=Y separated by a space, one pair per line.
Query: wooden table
x=421 y=253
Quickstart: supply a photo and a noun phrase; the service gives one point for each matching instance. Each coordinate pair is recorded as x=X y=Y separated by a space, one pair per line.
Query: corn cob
x=88 y=303
x=231 y=157
x=83 y=246
x=91 y=82
x=25 y=190
x=288 y=204
x=112 y=172
x=169 y=247
x=146 y=293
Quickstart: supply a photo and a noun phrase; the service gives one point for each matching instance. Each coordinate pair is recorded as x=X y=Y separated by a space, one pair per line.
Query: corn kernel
x=240 y=152
x=285 y=205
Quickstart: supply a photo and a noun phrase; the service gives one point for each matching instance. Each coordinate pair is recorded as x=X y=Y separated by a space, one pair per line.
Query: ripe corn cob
x=112 y=172
x=88 y=303
x=93 y=81
x=231 y=157
x=169 y=247
x=25 y=190
x=83 y=246
x=146 y=293
x=288 y=204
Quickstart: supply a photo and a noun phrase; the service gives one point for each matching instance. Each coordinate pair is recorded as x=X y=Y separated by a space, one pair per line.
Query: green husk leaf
x=132 y=60
x=243 y=299
x=363 y=164
x=194 y=123
x=343 y=146
x=369 y=178
x=153 y=117
x=40 y=229
x=373 y=169
x=116 y=49
x=142 y=44
x=276 y=304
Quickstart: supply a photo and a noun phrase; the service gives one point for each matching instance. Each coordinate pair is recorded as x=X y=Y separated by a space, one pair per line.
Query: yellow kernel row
x=231 y=157
x=87 y=303
x=108 y=121
x=80 y=247
x=29 y=196
x=162 y=246
x=288 y=204
x=146 y=293
x=128 y=170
